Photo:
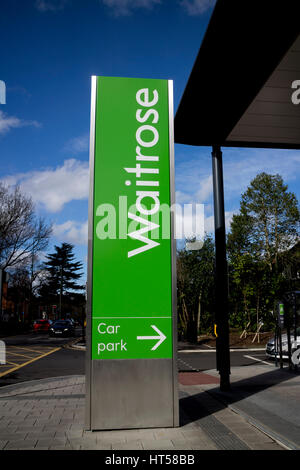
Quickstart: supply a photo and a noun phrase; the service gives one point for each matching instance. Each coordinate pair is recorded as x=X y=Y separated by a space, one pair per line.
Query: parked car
x=270 y=348
x=41 y=325
x=62 y=328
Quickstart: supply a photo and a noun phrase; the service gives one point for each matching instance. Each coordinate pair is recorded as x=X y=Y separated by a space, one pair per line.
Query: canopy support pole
x=221 y=285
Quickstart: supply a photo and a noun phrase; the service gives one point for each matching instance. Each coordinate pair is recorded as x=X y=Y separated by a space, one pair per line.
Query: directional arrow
x=161 y=337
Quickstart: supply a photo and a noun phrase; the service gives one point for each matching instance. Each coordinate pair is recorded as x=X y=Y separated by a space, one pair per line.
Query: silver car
x=270 y=348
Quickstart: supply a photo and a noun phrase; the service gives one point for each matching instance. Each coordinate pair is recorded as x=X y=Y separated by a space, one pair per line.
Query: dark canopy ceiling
x=240 y=88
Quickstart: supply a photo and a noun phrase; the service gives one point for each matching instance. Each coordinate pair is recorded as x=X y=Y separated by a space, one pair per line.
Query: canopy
x=239 y=93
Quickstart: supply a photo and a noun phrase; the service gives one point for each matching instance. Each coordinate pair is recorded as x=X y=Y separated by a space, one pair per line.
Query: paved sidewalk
x=49 y=414
x=269 y=397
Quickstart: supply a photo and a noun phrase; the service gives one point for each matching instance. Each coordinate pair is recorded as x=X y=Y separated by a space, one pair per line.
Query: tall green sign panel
x=131 y=373
x=132 y=289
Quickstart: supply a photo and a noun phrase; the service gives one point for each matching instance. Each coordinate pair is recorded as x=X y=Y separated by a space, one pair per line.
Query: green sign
x=132 y=271
x=281 y=309
x=281 y=314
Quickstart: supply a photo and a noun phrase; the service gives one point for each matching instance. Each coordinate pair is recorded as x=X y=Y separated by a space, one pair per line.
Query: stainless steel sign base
x=132 y=393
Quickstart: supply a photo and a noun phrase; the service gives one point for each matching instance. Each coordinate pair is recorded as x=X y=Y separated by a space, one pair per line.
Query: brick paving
x=49 y=414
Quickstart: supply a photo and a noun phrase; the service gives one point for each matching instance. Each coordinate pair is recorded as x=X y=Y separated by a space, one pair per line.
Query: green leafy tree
x=259 y=246
x=273 y=215
x=195 y=282
x=242 y=270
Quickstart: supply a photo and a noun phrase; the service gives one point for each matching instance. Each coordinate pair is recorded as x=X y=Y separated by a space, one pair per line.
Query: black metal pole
x=288 y=332
x=1 y=284
x=295 y=324
x=222 y=341
x=60 y=293
x=295 y=316
x=280 y=348
x=1 y=289
x=276 y=345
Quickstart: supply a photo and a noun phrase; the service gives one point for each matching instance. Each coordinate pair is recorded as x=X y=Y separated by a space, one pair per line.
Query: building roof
x=239 y=92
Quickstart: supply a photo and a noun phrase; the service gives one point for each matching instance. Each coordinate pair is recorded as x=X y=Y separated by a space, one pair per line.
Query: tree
x=259 y=245
x=195 y=283
x=242 y=270
x=62 y=274
x=19 y=289
x=22 y=233
x=273 y=215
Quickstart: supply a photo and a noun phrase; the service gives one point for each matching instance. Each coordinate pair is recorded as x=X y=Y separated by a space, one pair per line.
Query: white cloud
x=206 y=189
x=50 y=5
x=77 y=144
x=53 y=188
x=72 y=232
x=125 y=7
x=242 y=165
x=197 y=7
x=182 y=197
x=11 y=122
x=199 y=188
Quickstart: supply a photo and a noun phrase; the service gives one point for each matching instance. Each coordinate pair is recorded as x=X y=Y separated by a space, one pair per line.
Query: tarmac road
x=40 y=338
x=203 y=359
x=37 y=356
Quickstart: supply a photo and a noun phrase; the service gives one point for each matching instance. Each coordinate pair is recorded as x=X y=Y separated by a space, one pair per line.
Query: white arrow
x=161 y=337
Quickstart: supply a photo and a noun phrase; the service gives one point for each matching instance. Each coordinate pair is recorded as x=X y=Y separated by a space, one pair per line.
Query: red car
x=41 y=325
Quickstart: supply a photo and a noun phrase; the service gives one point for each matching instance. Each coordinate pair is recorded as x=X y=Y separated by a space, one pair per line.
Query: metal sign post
x=1 y=289
x=131 y=370
x=280 y=322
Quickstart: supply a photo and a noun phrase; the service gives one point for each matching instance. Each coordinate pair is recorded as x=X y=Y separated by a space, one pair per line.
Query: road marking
x=214 y=350
x=16 y=354
x=28 y=362
x=27 y=349
x=188 y=365
x=258 y=360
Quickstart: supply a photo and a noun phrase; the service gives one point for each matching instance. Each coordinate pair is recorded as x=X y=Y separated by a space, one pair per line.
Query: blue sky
x=50 y=49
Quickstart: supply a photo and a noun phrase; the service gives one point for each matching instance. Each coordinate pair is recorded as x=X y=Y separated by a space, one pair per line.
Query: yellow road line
x=16 y=354
x=28 y=362
x=5 y=366
x=26 y=349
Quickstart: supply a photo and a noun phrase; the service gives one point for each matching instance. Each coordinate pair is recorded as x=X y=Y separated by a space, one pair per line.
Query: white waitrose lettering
x=138 y=235
x=144 y=99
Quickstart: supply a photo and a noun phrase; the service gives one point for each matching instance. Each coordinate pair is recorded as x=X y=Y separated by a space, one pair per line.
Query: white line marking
x=258 y=360
x=213 y=350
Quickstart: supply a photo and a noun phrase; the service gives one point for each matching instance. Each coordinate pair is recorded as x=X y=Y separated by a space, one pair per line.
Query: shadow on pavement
x=195 y=407
x=246 y=387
